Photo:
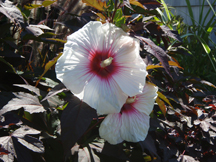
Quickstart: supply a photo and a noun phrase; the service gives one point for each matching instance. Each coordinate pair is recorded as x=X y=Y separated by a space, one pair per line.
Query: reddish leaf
x=75 y=120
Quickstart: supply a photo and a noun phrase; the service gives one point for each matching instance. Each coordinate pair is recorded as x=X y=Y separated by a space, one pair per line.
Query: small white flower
x=101 y=65
x=132 y=123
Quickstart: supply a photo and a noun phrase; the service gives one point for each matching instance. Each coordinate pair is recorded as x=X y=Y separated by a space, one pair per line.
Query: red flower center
x=95 y=64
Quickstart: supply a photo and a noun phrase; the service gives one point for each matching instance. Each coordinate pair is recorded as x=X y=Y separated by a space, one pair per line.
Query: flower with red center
x=101 y=65
x=132 y=123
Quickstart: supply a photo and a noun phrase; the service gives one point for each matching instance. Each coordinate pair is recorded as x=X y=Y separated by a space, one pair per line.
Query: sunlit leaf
x=48 y=66
x=19 y=143
x=29 y=87
x=207 y=83
x=149 y=67
x=161 y=105
x=32 y=6
x=29 y=102
x=164 y=98
x=98 y=4
x=47 y=3
x=11 y=11
x=136 y=3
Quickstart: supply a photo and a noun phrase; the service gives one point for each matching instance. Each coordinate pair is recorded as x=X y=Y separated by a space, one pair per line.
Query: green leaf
x=118 y=15
x=166 y=9
x=190 y=12
x=120 y=22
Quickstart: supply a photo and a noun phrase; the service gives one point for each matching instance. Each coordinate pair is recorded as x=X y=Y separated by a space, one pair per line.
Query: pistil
x=106 y=62
x=130 y=100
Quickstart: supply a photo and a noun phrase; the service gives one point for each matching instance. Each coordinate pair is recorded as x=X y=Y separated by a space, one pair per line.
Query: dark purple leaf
x=57 y=89
x=29 y=87
x=150 y=4
x=11 y=11
x=19 y=143
x=149 y=144
x=114 y=150
x=9 y=120
x=29 y=102
x=22 y=154
x=171 y=33
x=158 y=52
x=163 y=30
x=75 y=120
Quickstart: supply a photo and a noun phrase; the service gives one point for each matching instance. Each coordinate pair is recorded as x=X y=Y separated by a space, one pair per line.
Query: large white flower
x=132 y=123
x=101 y=65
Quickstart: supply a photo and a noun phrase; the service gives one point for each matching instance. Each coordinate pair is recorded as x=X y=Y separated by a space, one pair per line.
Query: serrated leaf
x=157 y=51
x=29 y=102
x=75 y=120
x=48 y=66
x=155 y=29
x=161 y=105
x=11 y=11
x=47 y=3
x=98 y=4
x=29 y=87
x=19 y=143
x=57 y=89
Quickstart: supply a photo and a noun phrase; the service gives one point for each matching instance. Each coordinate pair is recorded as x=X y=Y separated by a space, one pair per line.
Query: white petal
x=110 y=128
x=72 y=68
x=72 y=73
x=104 y=95
x=135 y=126
x=145 y=101
x=132 y=69
x=131 y=77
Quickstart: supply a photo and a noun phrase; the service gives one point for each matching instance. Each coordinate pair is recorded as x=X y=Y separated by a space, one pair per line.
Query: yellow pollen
x=131 y=100
x=106 y=62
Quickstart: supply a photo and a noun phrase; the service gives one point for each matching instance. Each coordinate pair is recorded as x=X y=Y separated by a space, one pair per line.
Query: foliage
x=197 y=39
x=42 y=121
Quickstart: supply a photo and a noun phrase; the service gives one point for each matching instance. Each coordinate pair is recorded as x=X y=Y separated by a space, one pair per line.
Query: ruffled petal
x=71 y=73
x=131 y=68
x=110 y=128
x=145 y=101
x=72 y=67
x=135 y=126
x=104 y=95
